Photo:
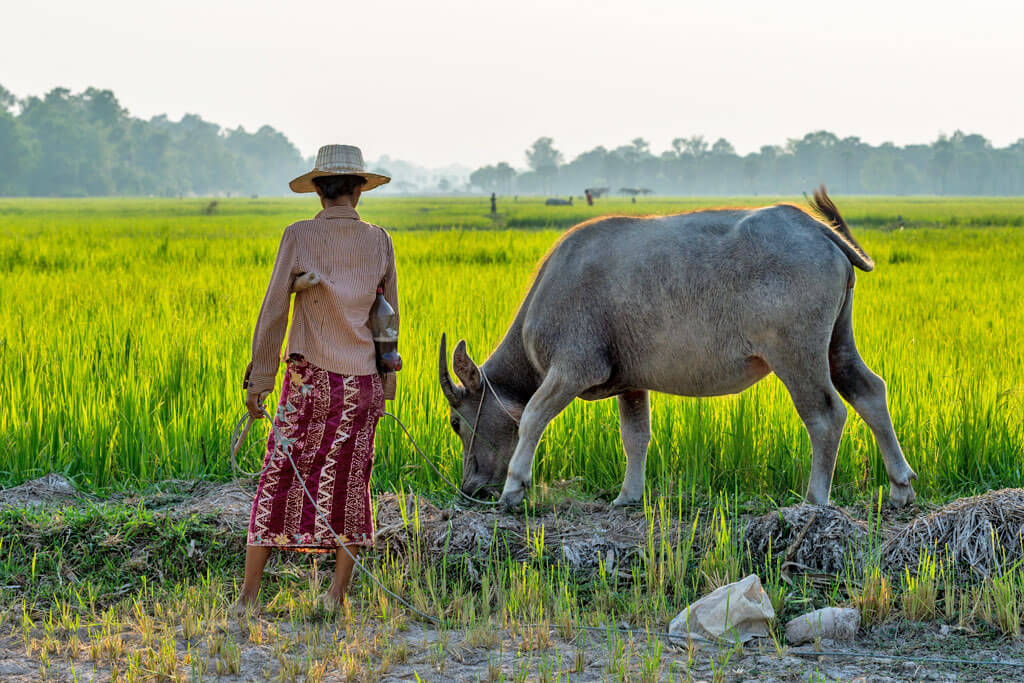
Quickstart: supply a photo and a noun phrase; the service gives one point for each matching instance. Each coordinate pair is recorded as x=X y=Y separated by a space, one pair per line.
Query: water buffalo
x=696 y=304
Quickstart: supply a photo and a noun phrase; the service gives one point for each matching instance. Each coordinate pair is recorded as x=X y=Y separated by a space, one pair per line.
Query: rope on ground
x=243 y=425
x=430 y=462
x=327 y=523
x=238 y=437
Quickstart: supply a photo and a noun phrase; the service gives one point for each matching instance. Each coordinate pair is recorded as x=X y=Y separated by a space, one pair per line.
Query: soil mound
x=231 y=502
x=579 y=535
x=807 y=538
x=50 y=489
x=983 y=534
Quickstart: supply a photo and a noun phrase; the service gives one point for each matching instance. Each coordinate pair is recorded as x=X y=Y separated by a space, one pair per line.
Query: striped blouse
x=330 y=321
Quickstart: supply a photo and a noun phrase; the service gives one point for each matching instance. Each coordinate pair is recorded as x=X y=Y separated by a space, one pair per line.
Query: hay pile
x=807 y=538
x=984 y=534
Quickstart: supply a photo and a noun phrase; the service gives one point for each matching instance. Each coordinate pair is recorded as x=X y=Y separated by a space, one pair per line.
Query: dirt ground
x=432 y=656
x=883 y=653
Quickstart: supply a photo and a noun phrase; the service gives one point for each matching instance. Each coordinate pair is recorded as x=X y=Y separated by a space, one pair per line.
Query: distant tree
x=849 y=150
x=940 y=161
x=695 y=146
x=73 y=154
x=879 y=171
x=641 y=148
x=485 y=177
x=260 y=158
x=722 y=147
x=504 y=175
x=544 y=159
x=7 y=99
x=16 y=157
x=751 y=169
x=87 y=144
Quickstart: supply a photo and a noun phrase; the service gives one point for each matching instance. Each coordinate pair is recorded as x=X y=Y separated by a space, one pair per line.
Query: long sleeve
x=273 y=320
x=390 y=284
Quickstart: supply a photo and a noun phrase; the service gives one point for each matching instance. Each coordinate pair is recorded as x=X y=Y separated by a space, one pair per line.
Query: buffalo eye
x=455 y=424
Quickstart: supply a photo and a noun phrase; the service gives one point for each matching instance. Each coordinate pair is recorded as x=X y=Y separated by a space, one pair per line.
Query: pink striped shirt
x=330 y=321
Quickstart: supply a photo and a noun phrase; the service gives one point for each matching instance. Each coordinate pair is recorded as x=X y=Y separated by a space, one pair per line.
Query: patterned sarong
x=327 y=423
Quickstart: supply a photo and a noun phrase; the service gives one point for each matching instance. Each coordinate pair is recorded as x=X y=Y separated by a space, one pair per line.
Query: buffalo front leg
x=823 y=415
x=556 y=392
x=635 y=427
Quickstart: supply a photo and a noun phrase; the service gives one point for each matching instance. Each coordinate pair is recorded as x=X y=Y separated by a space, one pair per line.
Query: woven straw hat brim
x=304 y=183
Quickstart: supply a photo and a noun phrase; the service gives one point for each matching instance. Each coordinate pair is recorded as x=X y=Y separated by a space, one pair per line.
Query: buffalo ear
x=465 y=369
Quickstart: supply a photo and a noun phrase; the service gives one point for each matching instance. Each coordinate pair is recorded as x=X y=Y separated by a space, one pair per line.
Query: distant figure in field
x=332 y=393
x=590 y=197
x=899 y=221
x=494 y=204
x=634 y=199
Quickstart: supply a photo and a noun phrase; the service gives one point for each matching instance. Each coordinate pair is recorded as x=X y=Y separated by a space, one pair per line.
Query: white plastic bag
x=738 y=611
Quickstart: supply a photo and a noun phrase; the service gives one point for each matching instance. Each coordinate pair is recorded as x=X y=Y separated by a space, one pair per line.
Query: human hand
x=305 y=281
x=254 y=402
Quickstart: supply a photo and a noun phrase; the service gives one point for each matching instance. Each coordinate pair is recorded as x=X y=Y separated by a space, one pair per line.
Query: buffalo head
x=476 y=408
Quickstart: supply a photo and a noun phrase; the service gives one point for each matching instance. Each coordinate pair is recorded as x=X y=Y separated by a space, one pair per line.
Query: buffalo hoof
x=624 y=501
x=510 y=500
x=901 y=495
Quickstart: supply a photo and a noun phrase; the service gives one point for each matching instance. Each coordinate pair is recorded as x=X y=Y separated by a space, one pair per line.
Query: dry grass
x=518 y=586
x=808 y=537
x=984 y=534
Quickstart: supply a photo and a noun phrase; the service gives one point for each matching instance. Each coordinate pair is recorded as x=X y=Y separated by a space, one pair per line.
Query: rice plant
x=125 y=328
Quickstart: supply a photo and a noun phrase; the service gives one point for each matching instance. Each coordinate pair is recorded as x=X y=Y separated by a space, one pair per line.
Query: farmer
x=332 y=394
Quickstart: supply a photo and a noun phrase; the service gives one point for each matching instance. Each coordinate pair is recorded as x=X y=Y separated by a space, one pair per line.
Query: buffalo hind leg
x=555 y=393
x=823 y=415
x=866 y=392
x=635 y=428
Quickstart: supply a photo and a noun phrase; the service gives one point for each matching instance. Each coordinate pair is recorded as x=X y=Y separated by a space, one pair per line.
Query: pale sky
x=474 y=82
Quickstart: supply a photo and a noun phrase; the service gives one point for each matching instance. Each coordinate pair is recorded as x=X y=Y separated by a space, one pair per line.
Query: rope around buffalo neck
x=476 y=421
x=501 y=403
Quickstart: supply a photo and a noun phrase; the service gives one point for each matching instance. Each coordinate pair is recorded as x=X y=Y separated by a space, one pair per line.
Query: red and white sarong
x=327 y=424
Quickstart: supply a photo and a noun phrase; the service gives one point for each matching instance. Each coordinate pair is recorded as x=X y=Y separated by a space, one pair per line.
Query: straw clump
x=982 y=534
x=816 y=538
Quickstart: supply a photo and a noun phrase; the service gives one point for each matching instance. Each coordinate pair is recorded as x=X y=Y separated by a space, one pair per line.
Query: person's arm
x=390 y=282
x=270 y=327
x=390 y=285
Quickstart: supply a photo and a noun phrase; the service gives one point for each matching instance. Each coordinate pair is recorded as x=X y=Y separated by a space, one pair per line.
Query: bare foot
x=245 y=606
x=332 y=600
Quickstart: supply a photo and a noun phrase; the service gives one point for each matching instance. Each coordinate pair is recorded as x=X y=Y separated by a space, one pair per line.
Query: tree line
x=957 y=164
x=86 y=144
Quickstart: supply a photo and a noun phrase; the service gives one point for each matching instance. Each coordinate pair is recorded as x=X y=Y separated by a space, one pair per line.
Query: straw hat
x=338 y=160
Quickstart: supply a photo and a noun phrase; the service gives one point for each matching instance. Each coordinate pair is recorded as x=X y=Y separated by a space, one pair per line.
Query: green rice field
x=125 y=328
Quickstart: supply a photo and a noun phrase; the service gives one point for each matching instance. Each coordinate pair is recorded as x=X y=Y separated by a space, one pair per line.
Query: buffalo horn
x=447 y=388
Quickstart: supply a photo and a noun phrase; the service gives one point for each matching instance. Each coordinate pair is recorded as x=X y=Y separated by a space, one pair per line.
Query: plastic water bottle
x=385 y=334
